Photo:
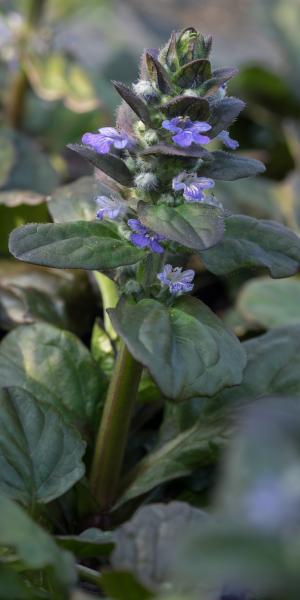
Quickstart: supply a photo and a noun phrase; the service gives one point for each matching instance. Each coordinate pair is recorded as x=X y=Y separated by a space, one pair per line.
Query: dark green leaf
x=223 y=114
x=186 y=347
x=270 y=303
x=40 y=455
x=146 y=545
x=88 y=544
x=33 y=546
x=76 y=201
x=273 y=367
x=134 y=101
x=185 y=452
x=121 y=585
x=194 y=226
x=11 y=585
x=228 y=167
x=195 y=108
x=256 y=197
x=55 y=367
x=77 y=245
x=110 y=164
x=249 y=242
x=194 y=73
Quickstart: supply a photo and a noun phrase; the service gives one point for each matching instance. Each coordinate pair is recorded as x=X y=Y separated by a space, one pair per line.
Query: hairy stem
x=114 y=428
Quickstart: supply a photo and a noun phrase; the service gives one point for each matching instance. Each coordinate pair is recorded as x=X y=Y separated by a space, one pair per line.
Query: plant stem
x=110 y=297
x=114 y=428
x=87 y=574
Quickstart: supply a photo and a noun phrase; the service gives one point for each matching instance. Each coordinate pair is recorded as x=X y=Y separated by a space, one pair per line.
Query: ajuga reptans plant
x=157 y=171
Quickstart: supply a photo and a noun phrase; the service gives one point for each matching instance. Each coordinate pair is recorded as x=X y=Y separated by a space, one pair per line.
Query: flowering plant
x=155 y=218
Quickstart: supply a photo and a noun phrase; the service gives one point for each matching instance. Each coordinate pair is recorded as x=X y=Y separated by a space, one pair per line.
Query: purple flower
x=193 y=187
x=107 y=137
x=144 y=237
x=224 y=137
x=177 y=280
x=186 y=131
x=112 y=208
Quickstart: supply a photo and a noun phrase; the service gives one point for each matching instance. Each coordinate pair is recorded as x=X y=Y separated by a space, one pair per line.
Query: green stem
x=114 y=428
x=87 y=574
x=110 y=297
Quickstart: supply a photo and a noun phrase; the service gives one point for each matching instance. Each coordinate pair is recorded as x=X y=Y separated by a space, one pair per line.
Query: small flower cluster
x=158 y=178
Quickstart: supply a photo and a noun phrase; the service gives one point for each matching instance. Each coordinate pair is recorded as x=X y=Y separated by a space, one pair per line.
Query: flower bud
x=151 y=137
x=146 y=181
x=145 y=89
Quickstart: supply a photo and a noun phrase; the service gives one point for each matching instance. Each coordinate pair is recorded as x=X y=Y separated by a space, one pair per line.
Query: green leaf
x=185 y=452
x=134 y=101
x=78 y=245
x=76 y=201
x=146 y=545
x=121 y=585
x=31 y=168
x=191 y=225
x=185 y=347
x=228 y=167
x=40 y=455
x=191 y=106
x=255 y=197
x=193 y=73
x=33 y=546
x=270 y=303
x=55 y=367
x=11 y=585
x=110 y=164
x=250 y=242
x=273 y=368
x=88 y=544
x=223 y=114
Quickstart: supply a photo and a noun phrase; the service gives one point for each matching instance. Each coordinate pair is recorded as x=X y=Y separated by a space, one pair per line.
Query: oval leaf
x=228 y=167
x=111 y=164
x=146 y=544
x=55 y=367
x=161 y=338
x=76 y=201
x=270 y=303
x=195 y=226
x=78 y=245
x=249 y=242
x=40 y=455
x=33 y=546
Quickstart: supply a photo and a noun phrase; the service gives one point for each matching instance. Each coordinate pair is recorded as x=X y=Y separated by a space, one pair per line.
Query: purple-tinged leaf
x=111 y=164
x=134 y=101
